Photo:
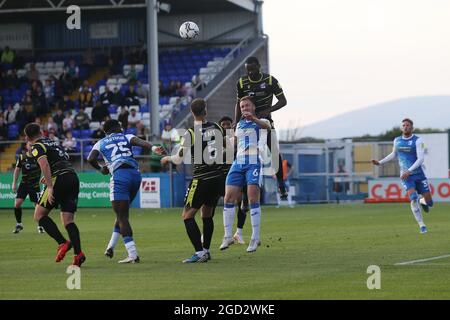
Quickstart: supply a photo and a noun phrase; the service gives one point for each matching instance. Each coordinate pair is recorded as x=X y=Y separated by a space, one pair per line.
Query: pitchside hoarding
x=150 y=196
x=94 y=191
x=391 y=190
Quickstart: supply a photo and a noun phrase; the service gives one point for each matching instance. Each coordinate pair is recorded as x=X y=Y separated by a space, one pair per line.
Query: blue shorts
x=418 y=182
x=124 y=184
x=244 y=174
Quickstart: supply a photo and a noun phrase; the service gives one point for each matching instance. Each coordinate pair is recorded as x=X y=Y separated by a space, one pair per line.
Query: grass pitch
x=308 y=252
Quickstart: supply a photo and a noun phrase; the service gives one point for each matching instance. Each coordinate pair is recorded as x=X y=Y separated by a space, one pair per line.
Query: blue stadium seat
x=131 y=131
x=112 y=109
x=23 y=86
x=100 y=83
x=199 y=64
x=13 y=131
x=86 y=150
x=86 y=134
x=144 y=108
x=76 y=134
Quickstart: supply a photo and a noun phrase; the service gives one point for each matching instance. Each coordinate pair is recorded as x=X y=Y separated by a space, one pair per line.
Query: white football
x=189 y=30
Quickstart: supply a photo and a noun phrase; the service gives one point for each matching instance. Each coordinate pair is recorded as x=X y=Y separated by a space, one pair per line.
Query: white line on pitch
x=422 y=260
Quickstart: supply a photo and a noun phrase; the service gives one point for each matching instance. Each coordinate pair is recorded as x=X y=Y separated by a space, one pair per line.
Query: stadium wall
x=52 y=33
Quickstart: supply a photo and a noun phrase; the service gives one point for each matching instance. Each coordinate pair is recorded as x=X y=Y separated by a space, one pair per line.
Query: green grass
x=309 y=252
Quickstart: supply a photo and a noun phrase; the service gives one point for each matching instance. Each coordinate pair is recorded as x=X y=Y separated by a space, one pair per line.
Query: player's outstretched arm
x=263 y=123
x=175 y=158
x=391 y=156
x=388 y=158
x=135 y=141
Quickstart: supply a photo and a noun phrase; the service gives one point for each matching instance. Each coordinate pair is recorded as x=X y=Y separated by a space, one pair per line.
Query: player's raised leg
x=121 y=208
x=67 y=219
x=232 y=193
x=193 y=232
x=18 y=215
x=208 y=228
x=113 y=241
x=242 y=203
x=415 y=208
x=426 y=201
x=50 y=227
x=255 y=216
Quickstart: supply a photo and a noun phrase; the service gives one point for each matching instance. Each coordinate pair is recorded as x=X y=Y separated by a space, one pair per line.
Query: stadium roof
x=177 y=6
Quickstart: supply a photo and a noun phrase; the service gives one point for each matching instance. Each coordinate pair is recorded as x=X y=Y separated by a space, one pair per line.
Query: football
x=189 y=30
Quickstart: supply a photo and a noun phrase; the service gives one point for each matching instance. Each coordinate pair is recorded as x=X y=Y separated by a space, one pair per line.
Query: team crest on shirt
x=263 y=85
x=410 y=142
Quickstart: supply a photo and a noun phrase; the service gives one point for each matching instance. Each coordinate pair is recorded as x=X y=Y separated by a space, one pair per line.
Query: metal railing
x=77 y=157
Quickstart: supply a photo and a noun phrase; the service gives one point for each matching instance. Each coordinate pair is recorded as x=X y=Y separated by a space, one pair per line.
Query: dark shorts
x=65 y=191
x=25 y=190
x=203 y=192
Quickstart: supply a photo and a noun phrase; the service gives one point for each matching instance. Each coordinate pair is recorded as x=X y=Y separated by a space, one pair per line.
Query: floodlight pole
x=152 y=62
x=259 y=17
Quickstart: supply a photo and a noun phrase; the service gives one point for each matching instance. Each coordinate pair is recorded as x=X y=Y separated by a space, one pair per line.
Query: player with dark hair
x=29 y=184
x=410 y=151
x=62 y=188
x=116 y=149
x=205 y=142
x=262 y=87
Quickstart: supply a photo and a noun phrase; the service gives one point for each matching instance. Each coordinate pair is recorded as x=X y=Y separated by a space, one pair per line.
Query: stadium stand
x=63 y=70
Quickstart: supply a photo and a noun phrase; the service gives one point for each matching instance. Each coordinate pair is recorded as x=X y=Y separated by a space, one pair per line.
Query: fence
x=333 y=171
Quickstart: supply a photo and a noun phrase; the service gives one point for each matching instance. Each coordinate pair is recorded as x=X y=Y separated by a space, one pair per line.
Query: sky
x=334 y=56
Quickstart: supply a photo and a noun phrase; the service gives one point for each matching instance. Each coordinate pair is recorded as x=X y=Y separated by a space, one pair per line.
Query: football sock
x=228 y=219
x=131 y=247
x=240 y=218
x=74 y=236
x=114 y=237
x=18 y=214
x=52 y=230
x=208 y=229
x=415 y=208
x=239 y=231
x=278 y=199
x=255 y=217
x=193 y=233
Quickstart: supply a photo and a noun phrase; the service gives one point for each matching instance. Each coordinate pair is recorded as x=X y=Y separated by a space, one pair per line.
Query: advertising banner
x=385 y=190
x=94 y=191
x=150 y=193
x=16 y=36
x=104 y=30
